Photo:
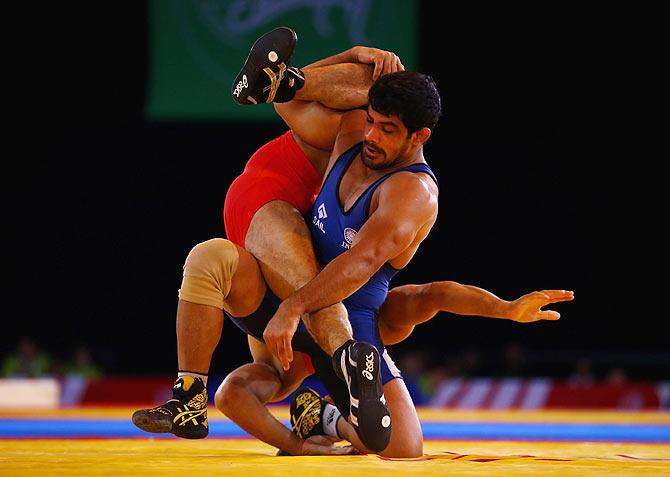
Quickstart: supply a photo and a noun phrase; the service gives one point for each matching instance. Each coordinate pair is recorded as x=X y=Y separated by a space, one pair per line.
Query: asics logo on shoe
x=241 y=85
x=369 y=366
x=330 y=417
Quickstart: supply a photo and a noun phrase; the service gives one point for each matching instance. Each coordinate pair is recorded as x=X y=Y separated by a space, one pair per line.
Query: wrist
x=352 y=54
x=295 y=446
x=293 y=307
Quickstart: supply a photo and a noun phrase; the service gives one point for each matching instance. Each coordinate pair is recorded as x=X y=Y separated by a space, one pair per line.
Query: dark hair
x=410 y=95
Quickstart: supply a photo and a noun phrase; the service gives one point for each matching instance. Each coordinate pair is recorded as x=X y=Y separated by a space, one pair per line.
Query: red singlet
x=279 y=170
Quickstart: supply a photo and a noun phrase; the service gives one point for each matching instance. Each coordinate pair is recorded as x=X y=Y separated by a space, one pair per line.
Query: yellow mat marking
x=172 y=457
x=249 y=457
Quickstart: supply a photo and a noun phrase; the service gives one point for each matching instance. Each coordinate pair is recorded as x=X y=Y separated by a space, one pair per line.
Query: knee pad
x=208 y=272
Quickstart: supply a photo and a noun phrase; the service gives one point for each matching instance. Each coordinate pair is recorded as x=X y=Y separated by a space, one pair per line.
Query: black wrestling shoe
x=358 y=364
x=185 y=415
x=307 y=413
x=261 y=79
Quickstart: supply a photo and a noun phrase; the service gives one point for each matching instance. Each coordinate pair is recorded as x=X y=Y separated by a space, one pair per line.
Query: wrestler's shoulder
x=411 y=184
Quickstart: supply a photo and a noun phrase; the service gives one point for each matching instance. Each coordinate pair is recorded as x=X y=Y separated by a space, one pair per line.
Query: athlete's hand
x=323 y=445
x=527 y=308
x=279 y=332
x=385 y=61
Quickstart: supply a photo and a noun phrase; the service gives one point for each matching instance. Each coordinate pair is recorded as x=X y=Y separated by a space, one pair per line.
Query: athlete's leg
x=218 y=275
x=280 y=240
x=406 y=435
x=339 y=86
x=278 y=237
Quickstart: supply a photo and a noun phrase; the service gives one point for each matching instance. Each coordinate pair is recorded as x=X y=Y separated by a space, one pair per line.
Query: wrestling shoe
x=307 y=413
x=266 y=76
x=357 y=363
x=307 y=409
x=185 y=415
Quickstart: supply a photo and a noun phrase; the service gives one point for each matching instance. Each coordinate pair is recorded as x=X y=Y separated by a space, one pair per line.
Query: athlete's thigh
x=406 y=434
x=279 y=239
x=247 y=285
x=290 y=379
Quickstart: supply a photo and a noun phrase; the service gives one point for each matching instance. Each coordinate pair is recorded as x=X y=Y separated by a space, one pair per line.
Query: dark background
x=103 y=206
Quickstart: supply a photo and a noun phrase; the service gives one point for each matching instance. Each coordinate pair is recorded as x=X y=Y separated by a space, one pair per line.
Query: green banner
x=197 y=47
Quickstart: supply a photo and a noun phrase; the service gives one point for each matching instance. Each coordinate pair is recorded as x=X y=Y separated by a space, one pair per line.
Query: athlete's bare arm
x=410 y=305
x=333 y=86
x=385 y=61
x=405 y=208
x=244 y=392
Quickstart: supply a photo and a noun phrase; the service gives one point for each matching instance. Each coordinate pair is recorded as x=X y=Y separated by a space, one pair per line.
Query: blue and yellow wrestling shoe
x=185 y=415
x=267 y=76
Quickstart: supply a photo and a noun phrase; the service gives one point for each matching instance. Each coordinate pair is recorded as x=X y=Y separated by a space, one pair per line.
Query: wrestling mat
x=103 y=441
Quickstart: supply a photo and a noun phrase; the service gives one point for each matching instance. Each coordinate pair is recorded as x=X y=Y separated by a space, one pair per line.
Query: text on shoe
x=241 y=85
x=369 y=366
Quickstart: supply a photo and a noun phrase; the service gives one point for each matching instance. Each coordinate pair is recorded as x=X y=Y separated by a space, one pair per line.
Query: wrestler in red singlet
x=279 y=170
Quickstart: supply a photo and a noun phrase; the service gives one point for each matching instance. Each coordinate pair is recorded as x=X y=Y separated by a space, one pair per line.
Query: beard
x=375 y=161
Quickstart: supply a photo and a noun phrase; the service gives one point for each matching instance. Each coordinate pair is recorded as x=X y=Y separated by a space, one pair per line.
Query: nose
x=372 y=134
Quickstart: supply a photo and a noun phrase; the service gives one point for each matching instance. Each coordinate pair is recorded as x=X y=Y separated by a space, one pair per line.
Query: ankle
x=337 y=358
x=293 y=80
x=203 y=377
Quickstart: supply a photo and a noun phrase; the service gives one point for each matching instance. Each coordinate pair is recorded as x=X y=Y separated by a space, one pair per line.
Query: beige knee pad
x=208 y=271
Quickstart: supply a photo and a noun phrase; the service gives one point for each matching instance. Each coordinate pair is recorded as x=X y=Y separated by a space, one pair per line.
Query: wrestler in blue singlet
x=333 y=231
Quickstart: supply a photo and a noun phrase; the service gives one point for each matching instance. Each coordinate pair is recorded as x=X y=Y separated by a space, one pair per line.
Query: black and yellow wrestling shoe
x=357 y=363
x=185 y=415
x=267 y=76
x=307 y=413
x=307 y=408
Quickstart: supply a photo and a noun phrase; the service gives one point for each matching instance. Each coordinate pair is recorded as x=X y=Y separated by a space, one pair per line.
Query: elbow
x=436 y=289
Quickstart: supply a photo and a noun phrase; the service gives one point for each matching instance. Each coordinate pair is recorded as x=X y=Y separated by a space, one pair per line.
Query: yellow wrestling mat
x=246 y=457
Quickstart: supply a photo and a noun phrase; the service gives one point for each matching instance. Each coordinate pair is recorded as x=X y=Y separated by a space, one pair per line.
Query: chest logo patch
x=322 y=211
x=349 y=235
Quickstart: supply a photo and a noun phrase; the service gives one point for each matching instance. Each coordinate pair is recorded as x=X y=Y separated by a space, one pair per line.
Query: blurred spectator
x=28 y=361
x=83 y=365
x=582 y=376
x=413 y=365
x=616 y=376
x=514 y=360
x=471 y=363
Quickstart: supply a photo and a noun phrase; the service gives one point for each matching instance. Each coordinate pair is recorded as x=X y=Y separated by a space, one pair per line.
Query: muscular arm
x=317 y=121
x=410 y=305
x=244 y=392
x=384 y=61
x=333 y=86
x=405 y=206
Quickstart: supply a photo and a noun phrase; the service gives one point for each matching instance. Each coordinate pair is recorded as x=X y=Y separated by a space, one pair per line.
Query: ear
x=421 y=136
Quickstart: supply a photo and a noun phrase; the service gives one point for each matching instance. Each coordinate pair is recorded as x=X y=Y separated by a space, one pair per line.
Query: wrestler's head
x=403 y=109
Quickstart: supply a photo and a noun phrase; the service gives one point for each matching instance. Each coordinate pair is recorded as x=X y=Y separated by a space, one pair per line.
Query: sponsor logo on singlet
x=322 y=215
x=322 y=211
